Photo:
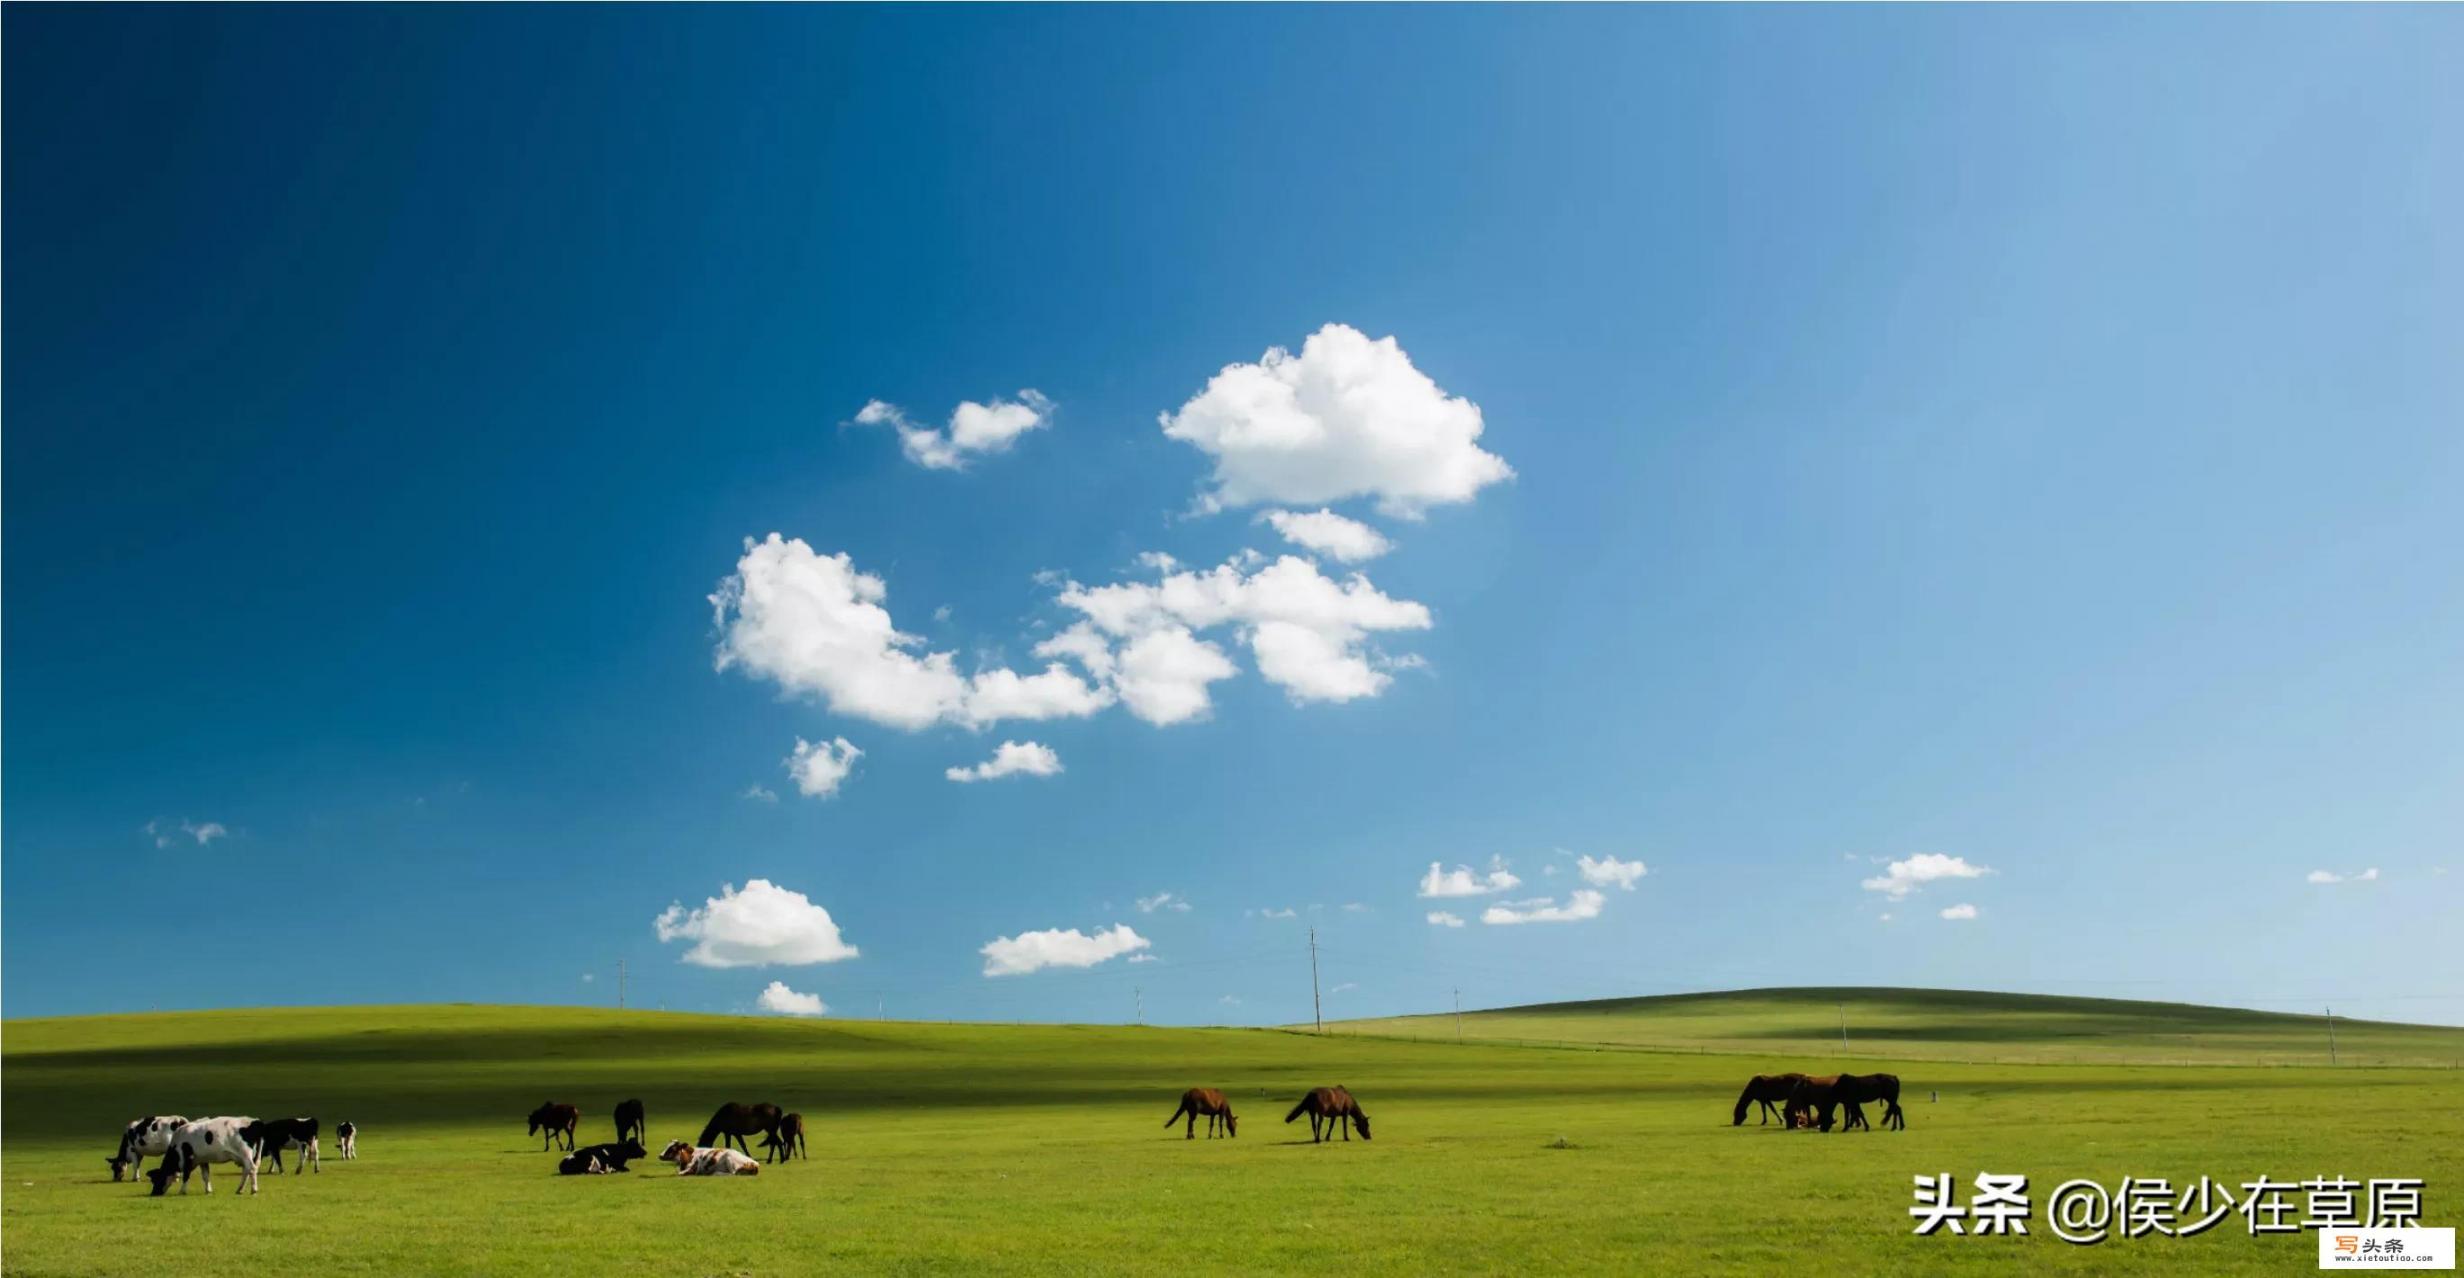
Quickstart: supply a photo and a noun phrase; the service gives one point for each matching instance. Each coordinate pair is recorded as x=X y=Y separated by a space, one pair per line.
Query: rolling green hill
x=1943 y=1025
x=971 y=1149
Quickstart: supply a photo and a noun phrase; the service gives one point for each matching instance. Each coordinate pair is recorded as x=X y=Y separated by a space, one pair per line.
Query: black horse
x=631 y=1122
x=1767 y=1090
x=736 y=1121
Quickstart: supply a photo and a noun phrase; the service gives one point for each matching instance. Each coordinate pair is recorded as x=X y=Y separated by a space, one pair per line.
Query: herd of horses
x=1813 y=1101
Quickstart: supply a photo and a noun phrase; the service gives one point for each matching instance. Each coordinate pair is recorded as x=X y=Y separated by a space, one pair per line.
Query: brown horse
x=1210 y=1103
x=555 y=1120
x=1330 y=1107
x=632 y=1122
x=1765 y=1089
x=1820 y=1095
x=1858 y=1088
x=736 y=1121
x=788 y=1140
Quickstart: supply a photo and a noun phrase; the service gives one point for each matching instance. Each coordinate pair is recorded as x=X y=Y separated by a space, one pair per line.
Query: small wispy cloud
x=2329 y=876
x=1900 y=878
x=165 y=834
x=1462 y=880
x=1445 y=918
x=759 y=793
x=1961 y=911
x=1162 y=901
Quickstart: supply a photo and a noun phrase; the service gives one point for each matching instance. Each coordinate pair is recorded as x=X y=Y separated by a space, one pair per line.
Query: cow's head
x=119 y=1167
x=633 y=1148
x=161 y=1176
x=676 y=1152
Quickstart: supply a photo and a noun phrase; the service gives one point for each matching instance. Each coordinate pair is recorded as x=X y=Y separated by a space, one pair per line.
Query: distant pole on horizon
x=2331 y=1036
x=1317 y=1006
x=1458 y=1016
x=1139 y=994
x=620 y=985
x=1843 y=1027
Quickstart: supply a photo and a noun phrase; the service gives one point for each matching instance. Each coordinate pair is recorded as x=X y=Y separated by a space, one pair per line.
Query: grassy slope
x=1040 y=1149
x=1947 y=1025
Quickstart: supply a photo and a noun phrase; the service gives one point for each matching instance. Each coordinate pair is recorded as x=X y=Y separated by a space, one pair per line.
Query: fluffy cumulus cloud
x=1162 y=901
x=2329 y=876
x=974 y=429
x=1347 y=417
x=1608 y=871
x=1330 y=534
x=1583 y=904
x=1899 y=878
x=776 y=997
x=1012 y=759
x=1056 y=947
x=1959 y=912
x=1308 y=632
x=817 y=627
x=1462 y=880
x=1445 y=918
x=762 y=925
x=819 y=767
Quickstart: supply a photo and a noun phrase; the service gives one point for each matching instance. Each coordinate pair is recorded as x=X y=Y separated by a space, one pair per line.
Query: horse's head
x=1361 y=1121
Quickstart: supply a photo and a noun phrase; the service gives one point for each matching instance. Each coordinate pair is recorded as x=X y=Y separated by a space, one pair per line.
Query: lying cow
x=691 y=1161
x=148 y=1137
x=346 y=1140
x=274 y=1135
x=615 y=1154
x=198 y=1145
x=583 y=1162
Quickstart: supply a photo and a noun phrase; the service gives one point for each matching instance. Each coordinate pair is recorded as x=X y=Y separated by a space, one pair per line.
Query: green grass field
x=971 y=1149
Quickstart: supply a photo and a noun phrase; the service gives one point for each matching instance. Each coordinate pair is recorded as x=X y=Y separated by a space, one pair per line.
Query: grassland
x=1945 y=1025
x=975 y=1149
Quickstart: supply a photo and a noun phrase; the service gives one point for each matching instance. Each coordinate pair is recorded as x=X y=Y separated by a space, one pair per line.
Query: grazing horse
x=555 y=1120
x=1330 y=1106
x=734 y=1122
x=1854 y=1089
x=788 y=1140
x=1765 y=1089
x=1209 y=1102
x=1821 y=1095
x=631 y=1121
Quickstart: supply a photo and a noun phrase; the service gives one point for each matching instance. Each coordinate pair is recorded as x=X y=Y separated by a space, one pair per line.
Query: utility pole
x=1843 y=1027
x=2331 y=1036
x=1316 y=1005
x=1140 y=995
x=1458 y=1016
x=620 y=985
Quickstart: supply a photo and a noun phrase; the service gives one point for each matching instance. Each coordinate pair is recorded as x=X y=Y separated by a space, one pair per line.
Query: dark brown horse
x=1768 y=1090
x=1328 y=1108
x=788 y=1140
x=1855 y=1089
x=734 y=1122
x=555 y=1120
x=631 y=1121
x=1209 y=1102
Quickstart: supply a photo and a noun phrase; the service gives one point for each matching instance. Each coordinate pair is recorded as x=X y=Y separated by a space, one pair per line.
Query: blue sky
x=2021 y=445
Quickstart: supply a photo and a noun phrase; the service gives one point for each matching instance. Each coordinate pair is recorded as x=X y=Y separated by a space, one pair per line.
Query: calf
x=555 y=1120
x=346 y=1140
x=615 y=1154
x=691 y=1161
x=148 y=1137
x=788 y=1140
x=201 y=1143
x=274 y=1135
x=582 y=1162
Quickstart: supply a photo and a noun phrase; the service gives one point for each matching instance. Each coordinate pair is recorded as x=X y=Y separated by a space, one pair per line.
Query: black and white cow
x=346 y=1140
x=273 y=1135
x=200 y=1143
x=148 y=1137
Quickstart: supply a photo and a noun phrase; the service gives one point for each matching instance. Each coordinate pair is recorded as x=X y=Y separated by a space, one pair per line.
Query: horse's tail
x=1298 y=1110
x=1176 y=1114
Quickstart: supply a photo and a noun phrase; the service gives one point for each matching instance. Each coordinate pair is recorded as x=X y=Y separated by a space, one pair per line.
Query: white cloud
x=1035 y=951
x=1308 y=632
x=1157 y=560
x=1885 y=916
x=2328 y=876
x=776 y=997
x=1347 y=540
x=587 y=978
x=1230 y=1000
x=820 y=766
x=1162 y=901
x=1012 y=759
x=204 y=832
x=762 y=925
x=817 y=627
x=1582 y=904
x=1444 y=918
x=1142 y=958
x=1959 y=912
x=1347 y=417
x=974 y=429
x=759 y=793
x=1286 y=912
x=1344 y=988
x=1608 y=871
x=1902 y=877
x=1354 y=907
x=1462 y=881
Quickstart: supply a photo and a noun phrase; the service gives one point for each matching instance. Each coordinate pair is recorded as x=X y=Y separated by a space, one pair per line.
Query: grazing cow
x=1764 y=1089
x=148 y=1137
x=585 y=1162
x=199 y=1144
x=274 y=1135
x=788 y=1140
x=555 y=1120
x=1331 y=1106
x=1209 y=1102
x=346 y=1140
x=632 y=1122
x=691 y=1161
x=615 y=1154
x=736 y=1121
